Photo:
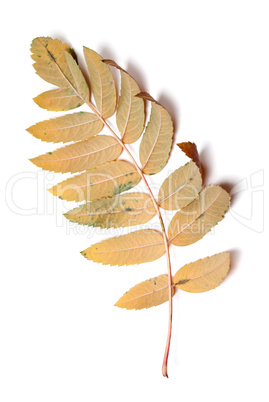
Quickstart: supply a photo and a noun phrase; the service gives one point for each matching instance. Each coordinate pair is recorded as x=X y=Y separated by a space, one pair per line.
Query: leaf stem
x=165 y=239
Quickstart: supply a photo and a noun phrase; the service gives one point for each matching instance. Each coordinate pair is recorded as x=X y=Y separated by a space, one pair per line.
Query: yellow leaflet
x=195 y=220
x=133 y=248
x=58 y=100
x=78 y=79
x=102 y=83
x=156 y=142
x=150 y=293
x=103 y=181
x=80 y=156
x=71 y=127
x=119 y=211
x=130 y=114
x=203 y=275
x=181 y=187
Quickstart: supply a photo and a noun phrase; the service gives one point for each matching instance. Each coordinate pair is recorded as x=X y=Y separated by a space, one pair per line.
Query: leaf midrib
x=80 y=156
x=126 y=249
x=65 y=128
x=112 y=212
x=103 y=181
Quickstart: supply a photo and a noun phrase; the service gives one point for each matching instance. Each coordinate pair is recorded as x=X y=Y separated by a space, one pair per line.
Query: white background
x=61 y=338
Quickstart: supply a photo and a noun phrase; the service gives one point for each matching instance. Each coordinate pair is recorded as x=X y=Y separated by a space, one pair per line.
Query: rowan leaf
x=195 y=220
x=133 y=248
x=130 y=115
x=180 y=187
x=80 y=156
x=190 y=149
x=103 y=181
x=102 y=83
x=50 y=62
x=119 y=211
x=58 y=100
x=80 y=83
x=203 y=275
x=150 y=293
x=71 y=127
x=156 y=142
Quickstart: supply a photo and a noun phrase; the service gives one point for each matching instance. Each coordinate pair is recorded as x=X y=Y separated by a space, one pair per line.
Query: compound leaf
x=133 y=248
x=103 y=181
x=150 y=293
x=156 y=142
x=203 y=275
x=195 y=220
x=180 y=187
x=80 y=156
x=102 y=83
x=71 y=127
x=119 y=211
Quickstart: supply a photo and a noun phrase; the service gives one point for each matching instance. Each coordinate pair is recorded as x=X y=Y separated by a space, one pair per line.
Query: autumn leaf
x=102 y=83
x=119 y=211
x=150 y=293
x=103 y=181
x=195 y=220
x=133 y=248
x=203 y=275
x=180 y=187
x=106 y=180
x=71 y=127
x=156 y=142
x=80 y=155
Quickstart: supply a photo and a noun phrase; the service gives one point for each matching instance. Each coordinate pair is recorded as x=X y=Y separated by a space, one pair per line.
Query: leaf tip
x=51 y=190
x=146 y=96
x=36 y=100
x=84 y=254
x=29 y=129
x=85 y=49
